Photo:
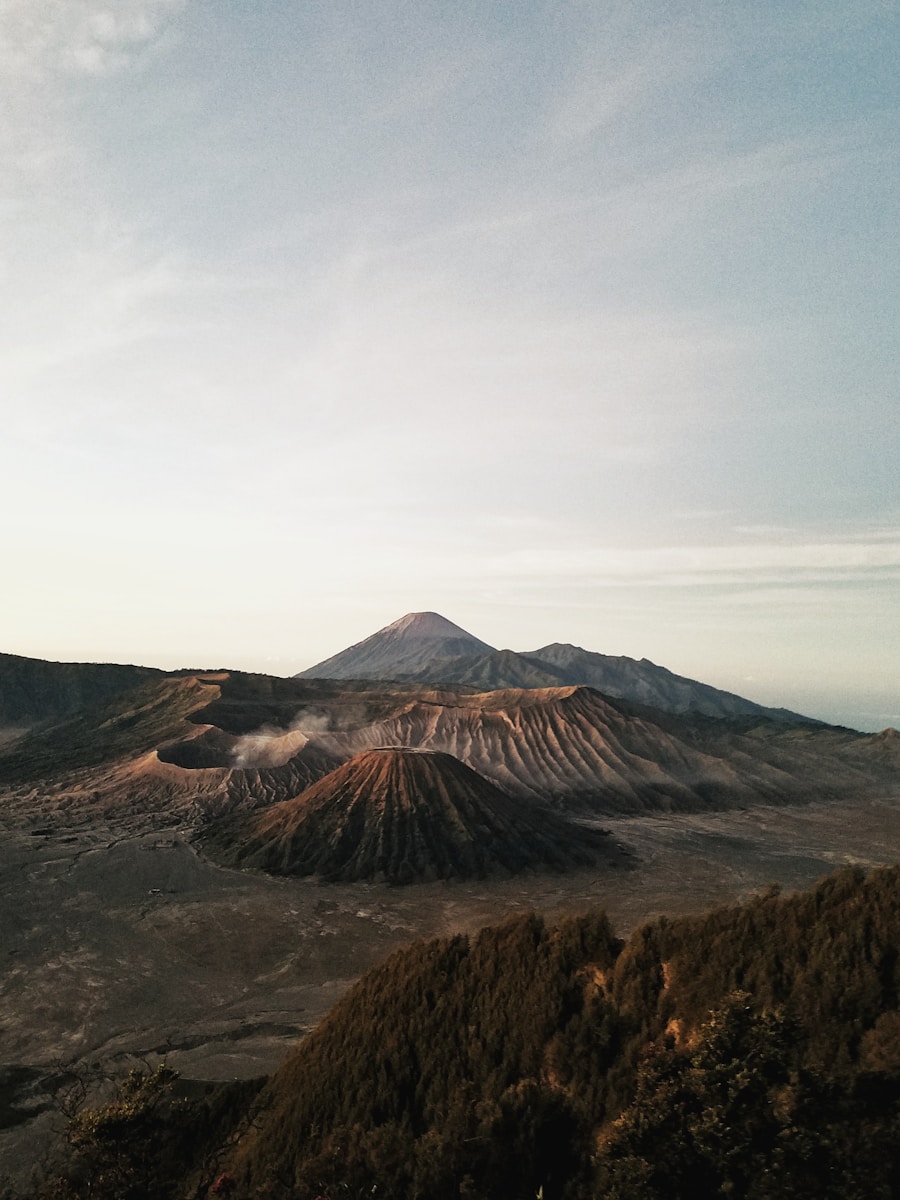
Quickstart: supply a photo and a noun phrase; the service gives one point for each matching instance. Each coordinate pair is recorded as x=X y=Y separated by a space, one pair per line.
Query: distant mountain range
x=285 y=764
x=427 y=648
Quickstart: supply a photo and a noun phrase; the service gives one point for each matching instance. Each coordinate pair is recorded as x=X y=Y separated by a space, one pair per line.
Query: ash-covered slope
x=571 y=746
x=400 y=650
x=402 y=815
x=127 y=727
x=214 y=742
x=883 y=747
x=577 y=748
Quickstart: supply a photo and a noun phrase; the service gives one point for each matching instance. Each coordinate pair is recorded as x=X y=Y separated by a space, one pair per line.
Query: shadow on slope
x=402 y=815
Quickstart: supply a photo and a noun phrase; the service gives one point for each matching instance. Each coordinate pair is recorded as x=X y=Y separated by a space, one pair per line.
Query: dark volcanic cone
x=402 y=815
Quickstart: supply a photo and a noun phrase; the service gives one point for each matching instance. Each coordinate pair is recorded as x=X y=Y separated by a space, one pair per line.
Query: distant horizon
x=828 y=710
x=580 y=323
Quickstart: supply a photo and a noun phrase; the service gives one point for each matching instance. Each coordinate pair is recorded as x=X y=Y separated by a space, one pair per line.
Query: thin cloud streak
x=688 y=566
x=624 y=69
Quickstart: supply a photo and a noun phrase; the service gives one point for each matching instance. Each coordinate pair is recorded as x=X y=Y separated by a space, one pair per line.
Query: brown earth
x=402 y=814
x=118 y=939
x=587 y=753
x=269 y=739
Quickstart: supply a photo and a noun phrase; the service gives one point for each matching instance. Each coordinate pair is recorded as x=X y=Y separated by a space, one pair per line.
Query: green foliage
x=119 y=1147
x=446 y=1046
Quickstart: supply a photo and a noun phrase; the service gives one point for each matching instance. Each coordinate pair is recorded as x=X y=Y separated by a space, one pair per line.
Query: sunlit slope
x=575 y=746
x=250 y=741
x=402 y=815
x=557 y=1061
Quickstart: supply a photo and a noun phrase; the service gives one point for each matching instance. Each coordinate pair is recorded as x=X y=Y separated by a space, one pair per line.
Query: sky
x=572 y=321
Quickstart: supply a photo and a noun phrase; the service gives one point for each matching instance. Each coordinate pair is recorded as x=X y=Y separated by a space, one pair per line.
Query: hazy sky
x=571 y=321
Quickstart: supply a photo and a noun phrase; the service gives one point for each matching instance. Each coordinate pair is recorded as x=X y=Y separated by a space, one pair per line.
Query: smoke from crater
x=273 y=745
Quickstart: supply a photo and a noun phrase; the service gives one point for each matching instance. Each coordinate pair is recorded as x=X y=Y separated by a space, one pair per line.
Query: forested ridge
x=751 y=1052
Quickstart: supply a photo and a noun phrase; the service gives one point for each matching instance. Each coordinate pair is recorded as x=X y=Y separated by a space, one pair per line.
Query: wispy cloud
x=431 y=80
x=605 y=86
x=43 y=37
x=104 y=300
x=77 y=283
x=688 y=566
x=582 y=306
x=412 y=354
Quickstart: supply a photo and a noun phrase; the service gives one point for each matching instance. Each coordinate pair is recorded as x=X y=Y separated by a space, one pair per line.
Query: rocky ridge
x=211 y=743
x=427 y=649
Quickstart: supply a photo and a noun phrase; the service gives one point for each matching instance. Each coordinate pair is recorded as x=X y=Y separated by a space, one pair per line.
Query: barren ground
x=120 y=942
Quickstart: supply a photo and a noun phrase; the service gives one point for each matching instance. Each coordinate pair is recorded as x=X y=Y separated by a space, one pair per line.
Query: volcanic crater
x=402 y=815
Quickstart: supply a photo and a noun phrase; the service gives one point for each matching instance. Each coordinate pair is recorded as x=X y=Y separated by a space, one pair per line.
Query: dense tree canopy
x=750 y=1053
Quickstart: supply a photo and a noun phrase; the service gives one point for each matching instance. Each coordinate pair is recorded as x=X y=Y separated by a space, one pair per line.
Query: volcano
x=402 y=815
x=414 y=643
x=426 y=648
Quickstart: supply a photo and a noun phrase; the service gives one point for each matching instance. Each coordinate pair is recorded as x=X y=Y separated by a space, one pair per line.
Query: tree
x=734 y=1117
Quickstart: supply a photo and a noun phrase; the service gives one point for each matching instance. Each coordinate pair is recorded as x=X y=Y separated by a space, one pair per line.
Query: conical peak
x=400 y=814
x=425 y=624
x=401 y=649
x=398 y=766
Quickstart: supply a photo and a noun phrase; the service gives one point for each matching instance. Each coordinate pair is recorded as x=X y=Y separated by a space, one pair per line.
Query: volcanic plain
x=124 y=941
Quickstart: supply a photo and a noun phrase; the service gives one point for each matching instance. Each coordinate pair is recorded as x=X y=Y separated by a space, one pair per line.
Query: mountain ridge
x=427 y=648
x=214 y=742
x=556 y=1059
x=34 y=690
